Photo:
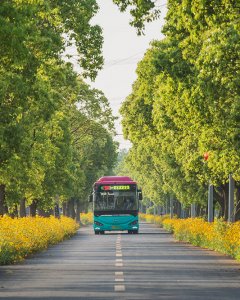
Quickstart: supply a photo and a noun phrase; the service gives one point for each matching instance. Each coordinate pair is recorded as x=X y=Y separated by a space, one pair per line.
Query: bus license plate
x=115 y=227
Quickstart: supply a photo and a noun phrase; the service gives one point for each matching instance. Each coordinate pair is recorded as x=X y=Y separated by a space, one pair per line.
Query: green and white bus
x=115 y=204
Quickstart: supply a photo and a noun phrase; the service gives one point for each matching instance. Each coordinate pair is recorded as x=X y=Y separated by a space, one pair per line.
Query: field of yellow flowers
x=86 y=218
x=24 y=236
x=153 y=219
x=219 y=236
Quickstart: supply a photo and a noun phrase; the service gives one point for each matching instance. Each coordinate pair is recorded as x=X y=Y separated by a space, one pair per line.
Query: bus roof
x=115 y=180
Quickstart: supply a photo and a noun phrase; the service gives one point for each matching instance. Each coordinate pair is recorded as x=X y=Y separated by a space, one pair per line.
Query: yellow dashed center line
x=119 y=263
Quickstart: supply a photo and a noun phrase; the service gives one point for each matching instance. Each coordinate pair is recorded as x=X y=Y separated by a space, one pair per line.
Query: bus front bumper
x=115 y=227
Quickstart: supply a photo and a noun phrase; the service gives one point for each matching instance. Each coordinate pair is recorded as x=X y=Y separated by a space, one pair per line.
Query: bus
x=115 y=204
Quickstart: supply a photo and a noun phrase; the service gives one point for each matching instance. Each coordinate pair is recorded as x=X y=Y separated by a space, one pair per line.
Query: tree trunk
x=178 y=209
x=72 y=209
x=78 y=210
x=56 y=211
x=188 y=213
x=225 y=200
x=68 y=208
x=2 y=199
x=33 y=208
x=237 y=214
x=22 y=210
x=198 y=210
x=64 y=208
x=219 y=197
x=6 y=211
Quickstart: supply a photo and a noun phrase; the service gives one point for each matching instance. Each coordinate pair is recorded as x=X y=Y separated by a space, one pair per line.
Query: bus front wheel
x=133 y=231
x=96 y=232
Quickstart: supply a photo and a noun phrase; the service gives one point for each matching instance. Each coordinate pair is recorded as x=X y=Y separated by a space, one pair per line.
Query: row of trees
x=55 y=131
x=185 y=103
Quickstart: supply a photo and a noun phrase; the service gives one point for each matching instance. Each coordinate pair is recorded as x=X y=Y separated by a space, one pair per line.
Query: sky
x=122 y=49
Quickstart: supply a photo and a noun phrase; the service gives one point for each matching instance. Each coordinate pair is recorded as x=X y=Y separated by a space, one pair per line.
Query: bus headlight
x=98 y=223
x=134 y=222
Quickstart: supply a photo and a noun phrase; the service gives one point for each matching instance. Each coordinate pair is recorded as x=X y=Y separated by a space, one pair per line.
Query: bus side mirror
x=90 y=198
x=140 y=196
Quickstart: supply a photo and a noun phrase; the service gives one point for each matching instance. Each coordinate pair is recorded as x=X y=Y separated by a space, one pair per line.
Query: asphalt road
x=150 y=265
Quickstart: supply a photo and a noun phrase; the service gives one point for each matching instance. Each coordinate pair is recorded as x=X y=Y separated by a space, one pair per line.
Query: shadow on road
x=159 y=233
x=141 y=233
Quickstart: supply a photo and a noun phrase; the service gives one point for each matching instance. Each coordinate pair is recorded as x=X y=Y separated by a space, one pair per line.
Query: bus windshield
x=118 y=200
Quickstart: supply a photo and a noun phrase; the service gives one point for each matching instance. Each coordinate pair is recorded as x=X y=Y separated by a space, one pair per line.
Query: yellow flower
x=219 y=235
x=86 y=218
x=21 y=237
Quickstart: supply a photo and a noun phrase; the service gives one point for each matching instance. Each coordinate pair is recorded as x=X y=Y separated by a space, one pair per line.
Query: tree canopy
x=56 y=133
x=185 y=103
x=142 y=12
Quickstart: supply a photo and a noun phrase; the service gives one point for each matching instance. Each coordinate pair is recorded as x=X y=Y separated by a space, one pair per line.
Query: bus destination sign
x=115 y=188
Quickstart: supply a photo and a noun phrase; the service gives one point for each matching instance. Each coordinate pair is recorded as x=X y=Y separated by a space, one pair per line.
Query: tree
x=38 y=90
x=142 y=11
x=184 y=97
